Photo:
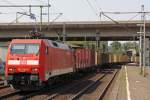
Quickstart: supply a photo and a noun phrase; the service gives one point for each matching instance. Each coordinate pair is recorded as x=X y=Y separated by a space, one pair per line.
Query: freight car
x=84 y=59
x=109 y=59
x=33 y=63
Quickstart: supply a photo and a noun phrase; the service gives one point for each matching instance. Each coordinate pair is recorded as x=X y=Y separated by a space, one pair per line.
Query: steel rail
x=79 y=94
x=9 y=94
x=107 y=86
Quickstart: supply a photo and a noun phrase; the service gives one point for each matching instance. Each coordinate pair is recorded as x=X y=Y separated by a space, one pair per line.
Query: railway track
x=75 y=90
x=98 y=90
x=1 y=83
x=19 y=95
x=7 y=92
x=9 y=95
x=103 y=93
x=60 y=95
x=74 y=97
x=75 y=93
x=2 y=87
x=55 y=90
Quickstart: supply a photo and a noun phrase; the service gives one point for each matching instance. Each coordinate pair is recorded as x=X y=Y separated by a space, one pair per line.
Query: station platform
x=131 y=85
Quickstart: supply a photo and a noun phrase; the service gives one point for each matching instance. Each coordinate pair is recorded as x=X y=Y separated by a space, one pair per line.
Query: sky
x=74 y=10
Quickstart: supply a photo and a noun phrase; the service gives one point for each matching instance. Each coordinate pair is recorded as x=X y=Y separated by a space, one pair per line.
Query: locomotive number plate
x=23 y=62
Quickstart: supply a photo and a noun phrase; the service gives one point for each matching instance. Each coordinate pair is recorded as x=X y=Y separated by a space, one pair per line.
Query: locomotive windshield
x=24 y=48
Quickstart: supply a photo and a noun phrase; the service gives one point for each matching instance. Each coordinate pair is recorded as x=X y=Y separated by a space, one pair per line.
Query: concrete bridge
x=123 y=30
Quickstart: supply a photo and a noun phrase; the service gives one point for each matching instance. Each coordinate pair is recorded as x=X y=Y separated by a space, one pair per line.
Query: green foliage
x=118 y=48
x=130 y=45
x=103 y=46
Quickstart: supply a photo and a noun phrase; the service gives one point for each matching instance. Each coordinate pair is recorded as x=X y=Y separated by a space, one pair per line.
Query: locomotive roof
x=54 y=44
x=26 y=41
x=60 y=45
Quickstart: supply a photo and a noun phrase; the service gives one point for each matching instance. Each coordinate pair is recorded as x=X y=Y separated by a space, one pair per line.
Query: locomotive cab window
x=25 y=48
x=55 y=44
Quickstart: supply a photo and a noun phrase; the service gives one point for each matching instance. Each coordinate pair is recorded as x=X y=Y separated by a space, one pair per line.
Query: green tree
x=116 y=48
x=103 y=46
x=130 y=45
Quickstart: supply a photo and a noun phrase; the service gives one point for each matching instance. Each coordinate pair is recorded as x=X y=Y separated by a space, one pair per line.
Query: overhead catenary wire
x=15 y=19
x=109 y=18
x=148 y=14
x=20 y=6
x=11 y=4
x=117 y=12
x=116 y=22
x=143 y=13
x=133 y=17
x=58 y=16
x=98 y=6
x=92 y=8
x=4 y=13
x=104 y=14
x=31 y=14
x=99 y=9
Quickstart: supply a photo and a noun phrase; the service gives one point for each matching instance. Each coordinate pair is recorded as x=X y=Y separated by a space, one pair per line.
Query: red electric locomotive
x=32 y=62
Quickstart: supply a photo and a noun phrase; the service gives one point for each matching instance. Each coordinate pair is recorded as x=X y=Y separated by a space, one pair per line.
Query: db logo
x=23 y=62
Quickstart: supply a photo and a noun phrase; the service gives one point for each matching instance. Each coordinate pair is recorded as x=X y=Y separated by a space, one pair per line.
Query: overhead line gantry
x=32 y=6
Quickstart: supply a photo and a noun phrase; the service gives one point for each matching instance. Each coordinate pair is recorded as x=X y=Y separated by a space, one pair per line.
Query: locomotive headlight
x=35 y=70
x=11 y=70
x=32 y=62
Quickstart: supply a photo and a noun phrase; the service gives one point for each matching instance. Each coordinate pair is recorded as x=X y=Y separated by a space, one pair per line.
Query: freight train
x=32 y=63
